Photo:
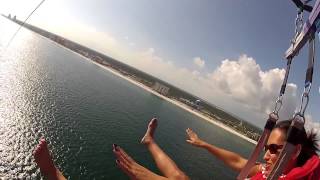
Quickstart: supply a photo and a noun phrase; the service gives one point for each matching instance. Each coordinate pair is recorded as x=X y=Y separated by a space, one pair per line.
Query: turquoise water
x=81 y=110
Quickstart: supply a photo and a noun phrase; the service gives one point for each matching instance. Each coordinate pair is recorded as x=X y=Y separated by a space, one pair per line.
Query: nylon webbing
x=297 y=124
x=285 y=80
x=309 y=72
x=273 y=118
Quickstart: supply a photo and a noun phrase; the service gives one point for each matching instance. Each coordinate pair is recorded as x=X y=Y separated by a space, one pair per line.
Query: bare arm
x=231 y=159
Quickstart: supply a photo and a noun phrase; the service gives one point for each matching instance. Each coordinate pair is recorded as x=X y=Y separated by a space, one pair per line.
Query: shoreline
x=175 y=102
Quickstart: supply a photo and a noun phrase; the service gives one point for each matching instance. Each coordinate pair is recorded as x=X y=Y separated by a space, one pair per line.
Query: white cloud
x=245 y=82
x=199 y=62
x=237 y=85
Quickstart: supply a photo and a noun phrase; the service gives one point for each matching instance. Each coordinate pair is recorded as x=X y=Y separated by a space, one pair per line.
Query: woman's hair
x=308 y=142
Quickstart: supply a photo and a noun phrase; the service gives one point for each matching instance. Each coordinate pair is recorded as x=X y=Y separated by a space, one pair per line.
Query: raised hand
x=193 y=138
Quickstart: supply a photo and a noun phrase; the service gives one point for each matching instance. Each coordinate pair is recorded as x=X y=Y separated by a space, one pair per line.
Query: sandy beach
x=175 y=102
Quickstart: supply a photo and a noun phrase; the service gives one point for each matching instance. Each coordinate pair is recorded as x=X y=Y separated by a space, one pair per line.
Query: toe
x=43 y=143
x=36 y=151
x=153 y=121
x=115 y=147
x=123 y=167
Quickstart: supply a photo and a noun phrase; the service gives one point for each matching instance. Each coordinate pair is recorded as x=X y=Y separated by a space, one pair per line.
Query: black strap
x=302 y=6
x=271 y=122
x=309 y=72
x=285 y=80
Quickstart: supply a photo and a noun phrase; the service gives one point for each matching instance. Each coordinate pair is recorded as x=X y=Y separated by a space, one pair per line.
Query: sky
x=228 y=52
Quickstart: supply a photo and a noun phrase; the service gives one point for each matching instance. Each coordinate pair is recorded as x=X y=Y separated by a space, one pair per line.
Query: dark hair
x=308 y=143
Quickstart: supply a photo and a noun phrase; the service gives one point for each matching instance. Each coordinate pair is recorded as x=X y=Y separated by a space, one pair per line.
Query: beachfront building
x=160 y=88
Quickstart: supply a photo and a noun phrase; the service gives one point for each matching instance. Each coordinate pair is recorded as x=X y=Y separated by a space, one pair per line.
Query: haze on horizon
x=227 y=52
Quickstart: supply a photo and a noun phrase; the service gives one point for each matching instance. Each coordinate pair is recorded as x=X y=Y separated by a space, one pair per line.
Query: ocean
x=82 y=109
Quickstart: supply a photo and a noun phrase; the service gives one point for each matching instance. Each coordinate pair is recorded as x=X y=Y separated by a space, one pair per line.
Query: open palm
x=193 y=138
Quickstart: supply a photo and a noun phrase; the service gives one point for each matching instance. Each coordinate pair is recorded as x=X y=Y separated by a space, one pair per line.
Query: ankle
x=50 y=172
x=150 y=143
x=53 y=174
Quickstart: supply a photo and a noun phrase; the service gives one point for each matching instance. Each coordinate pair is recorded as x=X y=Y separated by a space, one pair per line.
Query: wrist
x=202 y=144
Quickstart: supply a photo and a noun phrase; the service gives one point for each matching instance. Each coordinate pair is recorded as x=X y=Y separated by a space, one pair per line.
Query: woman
x=303 y=164
x=303 y=153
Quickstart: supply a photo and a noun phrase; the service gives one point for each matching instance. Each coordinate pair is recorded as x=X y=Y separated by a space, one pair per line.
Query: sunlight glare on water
x=17 y=131
x=82 y=109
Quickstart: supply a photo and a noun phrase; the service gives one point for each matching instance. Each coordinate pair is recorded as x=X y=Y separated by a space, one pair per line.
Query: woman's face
x=273 y=148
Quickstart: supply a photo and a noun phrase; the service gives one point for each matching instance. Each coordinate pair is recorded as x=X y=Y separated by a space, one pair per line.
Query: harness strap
x=273 y=118
x=297 y=125
x=262 y=141
x=309 y=72
x=285 y=80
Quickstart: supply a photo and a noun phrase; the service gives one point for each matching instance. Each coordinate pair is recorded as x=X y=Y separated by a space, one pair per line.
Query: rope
x=14 y=35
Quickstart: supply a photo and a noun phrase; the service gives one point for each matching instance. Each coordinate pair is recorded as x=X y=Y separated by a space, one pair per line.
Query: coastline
x=175 y=102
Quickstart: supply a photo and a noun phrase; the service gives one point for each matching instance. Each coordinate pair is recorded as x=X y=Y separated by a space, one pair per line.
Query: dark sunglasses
x=273 y=148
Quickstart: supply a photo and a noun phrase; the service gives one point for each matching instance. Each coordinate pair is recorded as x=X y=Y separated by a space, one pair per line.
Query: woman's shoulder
x=310 y=168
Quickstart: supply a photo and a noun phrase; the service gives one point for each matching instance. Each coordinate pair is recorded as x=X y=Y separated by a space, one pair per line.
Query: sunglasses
x=273 y=148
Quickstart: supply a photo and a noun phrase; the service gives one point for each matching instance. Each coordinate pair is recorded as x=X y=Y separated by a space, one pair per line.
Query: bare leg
x=131 y=168
x=44 y=161
x=163 y=161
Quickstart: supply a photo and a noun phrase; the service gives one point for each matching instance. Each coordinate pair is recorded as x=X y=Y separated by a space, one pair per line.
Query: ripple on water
x=46 y=91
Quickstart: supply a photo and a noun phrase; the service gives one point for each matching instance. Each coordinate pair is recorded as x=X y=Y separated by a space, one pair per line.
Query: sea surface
x=82 y=109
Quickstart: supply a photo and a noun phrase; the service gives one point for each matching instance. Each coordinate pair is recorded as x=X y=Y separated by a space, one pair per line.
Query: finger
x=190 y=134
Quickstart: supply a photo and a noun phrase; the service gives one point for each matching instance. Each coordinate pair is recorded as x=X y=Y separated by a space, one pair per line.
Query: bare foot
x=43 y=159
x=148 y=137
x=130 y=167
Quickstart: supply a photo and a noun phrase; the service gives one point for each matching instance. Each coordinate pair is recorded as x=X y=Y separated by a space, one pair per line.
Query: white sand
x=175 y=102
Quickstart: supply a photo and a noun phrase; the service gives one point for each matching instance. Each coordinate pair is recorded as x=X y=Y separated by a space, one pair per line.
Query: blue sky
x=224 y=51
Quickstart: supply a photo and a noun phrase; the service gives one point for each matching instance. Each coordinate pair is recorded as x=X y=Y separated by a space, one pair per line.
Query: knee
x=180 y=176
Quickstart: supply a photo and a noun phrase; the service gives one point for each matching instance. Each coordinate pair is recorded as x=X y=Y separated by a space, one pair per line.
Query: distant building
x=105 y=63
x=160 y=88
